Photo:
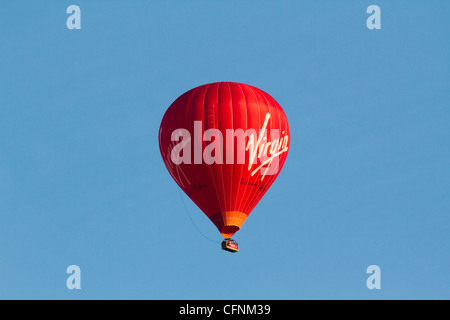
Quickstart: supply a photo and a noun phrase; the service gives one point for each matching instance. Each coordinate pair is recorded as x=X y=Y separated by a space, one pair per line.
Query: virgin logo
x=262 y=155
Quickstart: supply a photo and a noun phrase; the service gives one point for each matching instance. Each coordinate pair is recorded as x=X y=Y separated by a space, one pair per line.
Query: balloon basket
x=230 y=245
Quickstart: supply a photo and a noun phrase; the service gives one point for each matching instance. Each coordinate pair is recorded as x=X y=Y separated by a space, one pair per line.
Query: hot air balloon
x=224 y=144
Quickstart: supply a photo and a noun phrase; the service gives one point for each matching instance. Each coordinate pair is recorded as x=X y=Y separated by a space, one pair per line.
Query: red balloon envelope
x=224 y=144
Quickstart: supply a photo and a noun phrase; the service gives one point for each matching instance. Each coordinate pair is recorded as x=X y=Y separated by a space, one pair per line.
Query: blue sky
x=366 y=180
